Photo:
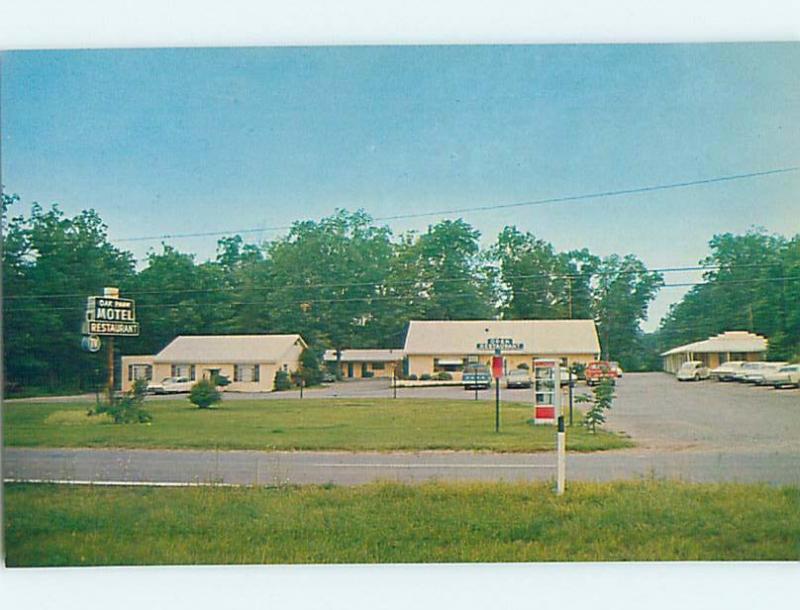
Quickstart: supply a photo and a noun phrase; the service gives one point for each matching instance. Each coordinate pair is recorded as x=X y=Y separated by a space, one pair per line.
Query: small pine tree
x=603 y=396
x=204 y=394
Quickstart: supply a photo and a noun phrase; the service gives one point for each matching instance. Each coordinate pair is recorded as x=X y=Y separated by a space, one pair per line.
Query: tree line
x=753 y=284
x=342 y=281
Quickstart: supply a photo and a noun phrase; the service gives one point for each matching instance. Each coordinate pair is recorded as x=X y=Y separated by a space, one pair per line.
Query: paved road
x=271 y=468
x=695 y=431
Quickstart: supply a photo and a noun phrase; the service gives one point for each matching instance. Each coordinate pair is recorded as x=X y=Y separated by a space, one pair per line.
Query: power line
x=490 y=207
x=556 y=276
x=372 y=298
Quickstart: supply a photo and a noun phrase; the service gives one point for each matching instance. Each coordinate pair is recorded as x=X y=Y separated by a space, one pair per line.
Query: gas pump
x=546 y=391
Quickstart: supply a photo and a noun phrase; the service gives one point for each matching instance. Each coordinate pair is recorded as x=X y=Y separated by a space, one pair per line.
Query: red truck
x=598 y=370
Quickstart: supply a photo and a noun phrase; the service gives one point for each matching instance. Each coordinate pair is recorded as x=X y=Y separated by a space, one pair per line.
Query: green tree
x=752 y=284
x=51 y=264
x=623 y=291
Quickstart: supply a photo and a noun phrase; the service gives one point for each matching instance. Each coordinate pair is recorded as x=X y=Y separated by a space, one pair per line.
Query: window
x=140 y=371
x=182 y=370
x=448 y=364
x=246 y=372
x=378 y=366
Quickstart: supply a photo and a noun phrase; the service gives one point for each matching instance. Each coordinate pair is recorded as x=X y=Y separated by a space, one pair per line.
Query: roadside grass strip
x=52 y=525
x=380 y=424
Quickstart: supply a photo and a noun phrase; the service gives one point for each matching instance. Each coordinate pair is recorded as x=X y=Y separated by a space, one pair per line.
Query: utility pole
x=569 y=290
x=110 y=348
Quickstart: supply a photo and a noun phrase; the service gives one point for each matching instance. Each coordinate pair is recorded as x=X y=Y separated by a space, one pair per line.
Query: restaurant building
x=716 y=350
x=446 y=345
x=250 y=362
x=364 y=363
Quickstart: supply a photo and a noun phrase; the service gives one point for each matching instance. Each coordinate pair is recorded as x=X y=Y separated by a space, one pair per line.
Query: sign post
x=109 y=316
x=561 y=450
x=497 y=373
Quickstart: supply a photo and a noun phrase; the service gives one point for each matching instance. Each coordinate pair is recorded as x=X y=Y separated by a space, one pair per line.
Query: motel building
x=364 y=363
x=716 y=350
x=250 y=362
x=444 y=345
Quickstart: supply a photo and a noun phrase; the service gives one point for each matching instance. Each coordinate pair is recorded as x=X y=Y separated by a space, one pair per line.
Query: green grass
x=291 y=424
x=49 y=525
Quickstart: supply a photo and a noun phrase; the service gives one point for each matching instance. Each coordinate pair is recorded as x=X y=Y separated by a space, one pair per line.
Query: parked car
x=518 y=378
x=476 y=376
x=598 y=370
x=786 y=376
x=757 y=374
x=726 y=371
x=693 y=370
x=328 y=377
x=746 y=369
x=171 y=385
x=565 y=378
x=616 y=368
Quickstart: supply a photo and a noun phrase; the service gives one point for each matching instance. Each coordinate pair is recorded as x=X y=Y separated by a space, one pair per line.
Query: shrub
x=523 y=365
x=128 y=409
x=424 y=377
x=444 y=376
x=579 y=370
x=412 y=377
x=282 y=381
x=204 y=394
x=368 y=374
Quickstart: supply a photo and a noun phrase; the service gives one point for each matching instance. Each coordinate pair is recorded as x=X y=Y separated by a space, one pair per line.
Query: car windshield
x=690 y=365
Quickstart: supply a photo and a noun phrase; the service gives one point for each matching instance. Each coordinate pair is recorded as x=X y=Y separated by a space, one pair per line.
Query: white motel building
x=250 y=362
x=445 y=345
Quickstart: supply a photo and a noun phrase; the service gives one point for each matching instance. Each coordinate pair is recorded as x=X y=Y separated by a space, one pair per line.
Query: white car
x=518 y=378
x=726 y=371
x=692 y=371
x=171 y=385
x=786 y=376
x=747 y=368
x=616 y=368
x=757 y=374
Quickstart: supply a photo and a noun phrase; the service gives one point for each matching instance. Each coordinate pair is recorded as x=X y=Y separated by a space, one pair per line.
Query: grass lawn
x=291 y=424
x=50 y=525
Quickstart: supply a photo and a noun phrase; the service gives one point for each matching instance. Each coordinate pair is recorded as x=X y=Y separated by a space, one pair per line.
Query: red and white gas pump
x=546 y=391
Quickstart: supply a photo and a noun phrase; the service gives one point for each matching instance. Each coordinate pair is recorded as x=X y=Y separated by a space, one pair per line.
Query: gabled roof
x=226 y=349
x=730 y=341
x=462 y=337
x=365 y=355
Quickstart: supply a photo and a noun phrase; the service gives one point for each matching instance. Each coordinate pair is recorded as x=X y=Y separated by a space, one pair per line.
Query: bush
x=368 y=374
x=412 y=377
x=524 y=366
x=204 y=394
x=128 y=409
x=424 y=377
x=282 y=381
x=444 y=376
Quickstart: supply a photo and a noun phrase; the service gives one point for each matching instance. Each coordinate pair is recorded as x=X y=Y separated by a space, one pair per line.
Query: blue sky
x=184 y=140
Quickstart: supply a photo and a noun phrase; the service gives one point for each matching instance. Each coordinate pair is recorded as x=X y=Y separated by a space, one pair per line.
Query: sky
x=164 y=141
